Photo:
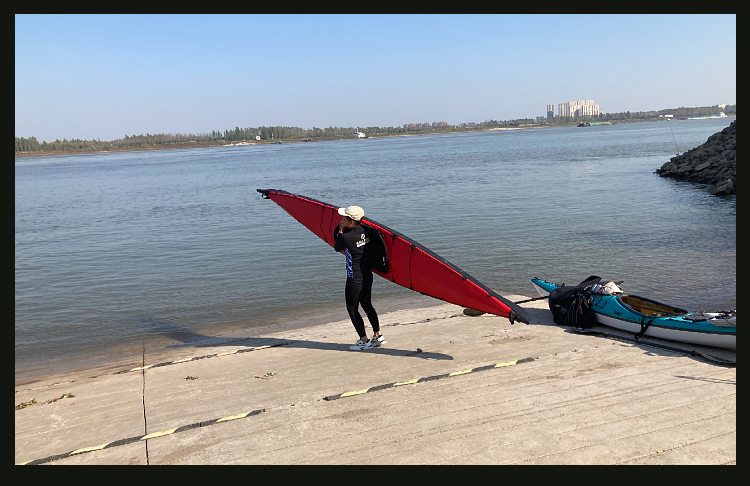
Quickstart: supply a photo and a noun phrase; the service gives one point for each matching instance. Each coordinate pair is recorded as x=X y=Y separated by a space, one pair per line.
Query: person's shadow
x=191 y=339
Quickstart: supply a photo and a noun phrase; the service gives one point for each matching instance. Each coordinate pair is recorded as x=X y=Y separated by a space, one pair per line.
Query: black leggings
x=360 y=292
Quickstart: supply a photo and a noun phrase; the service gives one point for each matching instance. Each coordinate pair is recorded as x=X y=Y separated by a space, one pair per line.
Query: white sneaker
x=375 y=342
x=359 y=345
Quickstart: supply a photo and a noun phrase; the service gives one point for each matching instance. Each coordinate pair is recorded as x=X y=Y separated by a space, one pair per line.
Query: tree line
x=279 y=133
x=248 y=134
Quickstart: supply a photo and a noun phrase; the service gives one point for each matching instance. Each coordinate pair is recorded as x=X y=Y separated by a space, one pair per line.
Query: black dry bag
x=571 y=305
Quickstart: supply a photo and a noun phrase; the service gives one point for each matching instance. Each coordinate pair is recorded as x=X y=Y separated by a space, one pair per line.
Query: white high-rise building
x=550 y=111
x=578 y=108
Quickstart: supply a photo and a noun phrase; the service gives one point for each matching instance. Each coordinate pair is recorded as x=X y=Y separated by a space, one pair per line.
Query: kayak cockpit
x=648 y=307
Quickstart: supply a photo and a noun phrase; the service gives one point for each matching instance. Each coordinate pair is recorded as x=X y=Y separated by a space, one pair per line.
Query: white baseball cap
x=353 y=212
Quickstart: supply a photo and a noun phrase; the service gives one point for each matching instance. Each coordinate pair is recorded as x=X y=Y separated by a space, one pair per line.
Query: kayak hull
x=410 y=264
x=613 y=311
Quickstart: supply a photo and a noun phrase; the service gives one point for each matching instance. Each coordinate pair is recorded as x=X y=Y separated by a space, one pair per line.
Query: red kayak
x=410 y=264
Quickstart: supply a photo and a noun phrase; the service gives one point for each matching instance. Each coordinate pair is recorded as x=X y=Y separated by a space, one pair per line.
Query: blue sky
x=91 y=76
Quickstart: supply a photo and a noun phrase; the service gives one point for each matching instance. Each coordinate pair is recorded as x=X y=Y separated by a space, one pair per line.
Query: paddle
x=475 y=313
x=531 y=300
x=547 y=296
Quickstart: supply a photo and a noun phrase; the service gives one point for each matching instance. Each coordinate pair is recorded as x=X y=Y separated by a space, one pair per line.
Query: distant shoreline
x=190 y=145
x=187 y=145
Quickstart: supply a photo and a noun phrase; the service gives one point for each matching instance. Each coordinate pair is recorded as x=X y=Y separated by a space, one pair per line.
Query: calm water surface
x=115 y=249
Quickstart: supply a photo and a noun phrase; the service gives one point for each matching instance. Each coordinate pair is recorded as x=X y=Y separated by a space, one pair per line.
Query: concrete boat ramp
x=446 y=389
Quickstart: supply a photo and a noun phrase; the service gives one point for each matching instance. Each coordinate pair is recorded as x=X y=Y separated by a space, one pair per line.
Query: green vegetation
x=31 y=146
x=33 y=401
x=25 y=144
x=26 y=404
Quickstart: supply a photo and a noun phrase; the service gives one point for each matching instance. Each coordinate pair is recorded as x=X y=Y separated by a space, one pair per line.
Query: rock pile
x=714 y=162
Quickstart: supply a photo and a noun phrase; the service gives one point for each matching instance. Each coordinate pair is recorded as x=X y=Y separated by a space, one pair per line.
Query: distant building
x=550 y=111
x=578 y=108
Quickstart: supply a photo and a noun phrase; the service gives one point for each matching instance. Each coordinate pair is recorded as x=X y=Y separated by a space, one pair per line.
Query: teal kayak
x=614 y=308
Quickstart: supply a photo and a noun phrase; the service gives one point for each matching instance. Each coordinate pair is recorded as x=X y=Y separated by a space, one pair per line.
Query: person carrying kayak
x=352 y=240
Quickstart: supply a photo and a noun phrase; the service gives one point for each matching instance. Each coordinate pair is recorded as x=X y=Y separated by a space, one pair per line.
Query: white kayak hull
x=693 y=337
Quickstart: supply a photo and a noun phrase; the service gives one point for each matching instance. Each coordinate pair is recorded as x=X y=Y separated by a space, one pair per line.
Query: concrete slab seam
x=167 y=363
x=429 y=378
x=130 y=440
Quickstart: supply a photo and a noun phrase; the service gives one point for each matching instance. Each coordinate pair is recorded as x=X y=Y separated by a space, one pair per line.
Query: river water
x=114 y=250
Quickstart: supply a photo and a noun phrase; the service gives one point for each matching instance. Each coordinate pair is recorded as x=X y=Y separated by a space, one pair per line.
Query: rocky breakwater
x=714 y=162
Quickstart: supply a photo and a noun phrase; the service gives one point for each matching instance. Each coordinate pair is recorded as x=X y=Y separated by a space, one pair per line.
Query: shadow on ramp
x=192 y=339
